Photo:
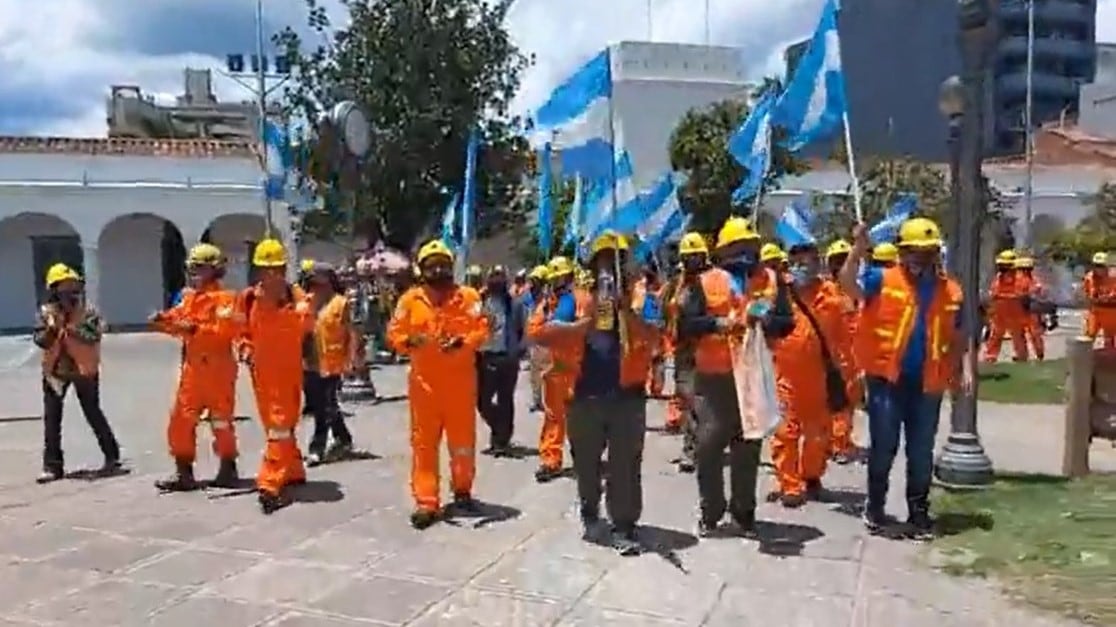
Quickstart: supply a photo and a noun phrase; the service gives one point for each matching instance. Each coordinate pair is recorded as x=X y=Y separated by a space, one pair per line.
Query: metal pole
x=650 y=22
x=261 y=95
x=1029 y=137
x=707 y=22
x=963 y=461
x=955 y=195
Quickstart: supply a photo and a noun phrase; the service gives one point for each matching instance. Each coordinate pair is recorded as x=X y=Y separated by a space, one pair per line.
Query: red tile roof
x=120 y=146
x=1066 y=145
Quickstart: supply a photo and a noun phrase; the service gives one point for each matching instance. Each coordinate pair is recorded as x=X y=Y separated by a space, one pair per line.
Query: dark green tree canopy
x=425 y=73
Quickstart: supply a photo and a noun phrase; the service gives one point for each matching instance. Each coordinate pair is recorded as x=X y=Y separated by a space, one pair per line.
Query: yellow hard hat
x=1100 y=259
x=838 y=248
x=438 y=248
x=306 y=265
x=539 y=273
x=1025 y=263
x=885 y=253
x=1006 y=258
x=559 y=267
x=693 y=244
x=609 y=240
x=205 y=255
x=60 y=272
x=771 y=252
x=269 y=253
x=920 y=233
x=736 y=229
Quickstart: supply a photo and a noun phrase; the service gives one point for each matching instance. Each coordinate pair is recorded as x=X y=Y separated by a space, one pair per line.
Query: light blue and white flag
x=795 y=227
x=887 y=229
x=574 y=218
x=469 y=197
x=608 y=196
x=279 y=160
x=449 y=222
x=665 y=224
x=750 y=145
x=577 y=118
x=544 y=233
x=813 y=104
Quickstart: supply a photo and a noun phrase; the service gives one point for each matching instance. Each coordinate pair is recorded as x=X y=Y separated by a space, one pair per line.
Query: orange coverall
x=272 y=335
x=441 y=384
x=1006 y=315
x=800 y=446
x=1033 y=330
x=841 y=441
x=559 y=378
x=1100 y=293
x=677 y=405
x=656 y=375
x=208 y=377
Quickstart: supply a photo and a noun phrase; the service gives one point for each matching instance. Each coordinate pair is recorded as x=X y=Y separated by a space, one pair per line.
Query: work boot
x=227 y=475
x=423 y=518
x=546 y=475
x=745 y=521
x=271 y=503
x=792 y=501
x=49 y=475
x=110 y=467
x=181 y=481
x=814 y=489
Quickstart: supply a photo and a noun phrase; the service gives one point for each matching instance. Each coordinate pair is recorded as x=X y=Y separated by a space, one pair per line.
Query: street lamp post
x=951 y=102
x=962 y=461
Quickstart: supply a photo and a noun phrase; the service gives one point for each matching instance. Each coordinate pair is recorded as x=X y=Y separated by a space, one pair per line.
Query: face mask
x=803 y=275
x=741 y=264
x=438 y=276
x=693 y=265
x=69 y=298
x=916 y=268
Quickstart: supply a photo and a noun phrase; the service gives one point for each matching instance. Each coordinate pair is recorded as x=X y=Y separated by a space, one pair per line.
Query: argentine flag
x=795 y=227
x=750 y=145
x=277 y=148
x=577 y=118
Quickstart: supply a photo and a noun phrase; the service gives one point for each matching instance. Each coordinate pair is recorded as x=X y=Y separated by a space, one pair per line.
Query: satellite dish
x=353 y=126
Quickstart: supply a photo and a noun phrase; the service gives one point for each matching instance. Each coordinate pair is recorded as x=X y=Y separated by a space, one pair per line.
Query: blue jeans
x=901 y=406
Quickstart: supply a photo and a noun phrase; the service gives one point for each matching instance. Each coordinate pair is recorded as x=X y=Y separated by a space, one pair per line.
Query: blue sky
x=60 y=56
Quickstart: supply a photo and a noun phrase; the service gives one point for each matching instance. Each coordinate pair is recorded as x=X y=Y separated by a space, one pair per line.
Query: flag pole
x=852 y=168
x=622 y=328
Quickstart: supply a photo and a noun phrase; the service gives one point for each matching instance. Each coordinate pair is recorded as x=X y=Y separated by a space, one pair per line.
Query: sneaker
x=921 y=526
x=876 y=521
x=685 y=466
x=49 y=475
x=590 y=525
x=314 y=458
x=546 y=475
x=706 y=529
x=745 y=522
x=339 y=451
x=626 y=543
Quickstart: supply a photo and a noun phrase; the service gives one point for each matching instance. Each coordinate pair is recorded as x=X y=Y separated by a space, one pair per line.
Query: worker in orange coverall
x=1034 y=300
x=563 y=305
x=1099 y=288
x=1006 y=312
x=440 y=326
x=803 y=363
x=647 y=298
x=203 y=320
x=275 y=319
x=842 y=449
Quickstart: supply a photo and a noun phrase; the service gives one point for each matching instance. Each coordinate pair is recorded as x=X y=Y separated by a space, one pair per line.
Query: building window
x=47 y=250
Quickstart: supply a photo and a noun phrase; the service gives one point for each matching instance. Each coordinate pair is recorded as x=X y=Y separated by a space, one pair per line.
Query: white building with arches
x=122 y=211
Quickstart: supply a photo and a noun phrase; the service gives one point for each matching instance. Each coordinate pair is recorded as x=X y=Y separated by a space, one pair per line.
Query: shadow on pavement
x=486 y=514
x=954 y=523
x=97 y=474
x=666 y=543
x=784 y=539
x=317 y=491
x=844 y=501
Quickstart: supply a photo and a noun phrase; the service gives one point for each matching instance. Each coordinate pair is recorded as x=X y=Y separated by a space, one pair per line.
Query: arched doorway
x=141 y=258
x=29 y=244
x=236 y=234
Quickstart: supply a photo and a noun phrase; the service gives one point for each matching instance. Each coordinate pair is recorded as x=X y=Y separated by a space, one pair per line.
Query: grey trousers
x=618 y=425
x=719 y=427
x=684 y=389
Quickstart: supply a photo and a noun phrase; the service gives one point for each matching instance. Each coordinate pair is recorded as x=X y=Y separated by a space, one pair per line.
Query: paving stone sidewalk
x=112 y=552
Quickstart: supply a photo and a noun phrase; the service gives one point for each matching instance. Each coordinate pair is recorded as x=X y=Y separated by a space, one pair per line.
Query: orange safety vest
x=86 y=356
x=888 y=320
x=331 y=336
x=712 y=353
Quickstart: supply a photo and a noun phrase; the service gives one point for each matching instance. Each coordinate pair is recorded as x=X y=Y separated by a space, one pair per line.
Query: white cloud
x=60 y=56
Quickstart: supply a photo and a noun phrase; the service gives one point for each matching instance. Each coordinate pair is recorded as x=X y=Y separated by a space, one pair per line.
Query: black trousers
x=321 y=397
x=88 y=390
x=497 y=375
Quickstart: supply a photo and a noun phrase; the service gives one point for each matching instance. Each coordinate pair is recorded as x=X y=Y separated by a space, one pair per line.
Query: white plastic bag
x=753 y=369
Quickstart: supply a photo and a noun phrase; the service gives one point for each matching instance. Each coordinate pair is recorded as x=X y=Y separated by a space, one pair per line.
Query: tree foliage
x=425 y=73
x=699 y=148
x=1096 y=233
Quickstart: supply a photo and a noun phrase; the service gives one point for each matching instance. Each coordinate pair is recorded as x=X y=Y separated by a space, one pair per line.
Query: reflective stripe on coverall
x=1100 y=293
x=441 y=385
x=559 y=376
x=1006 y=315
x=841 y=437
x=207 y=381
x=800 y=446
x=272 y=335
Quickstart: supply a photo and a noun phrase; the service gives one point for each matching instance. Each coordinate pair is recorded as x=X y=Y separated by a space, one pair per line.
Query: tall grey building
x=897 y=52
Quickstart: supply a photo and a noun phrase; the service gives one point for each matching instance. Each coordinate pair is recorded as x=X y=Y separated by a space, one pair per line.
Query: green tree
x=699 y=148
x=425 y=73
x=1096 y=233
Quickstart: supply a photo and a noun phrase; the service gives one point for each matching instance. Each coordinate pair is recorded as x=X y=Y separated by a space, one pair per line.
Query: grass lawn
x=1049 y=541
x=1032 y=382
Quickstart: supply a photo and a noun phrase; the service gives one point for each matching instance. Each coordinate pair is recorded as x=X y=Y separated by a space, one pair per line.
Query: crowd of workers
x=848 y=325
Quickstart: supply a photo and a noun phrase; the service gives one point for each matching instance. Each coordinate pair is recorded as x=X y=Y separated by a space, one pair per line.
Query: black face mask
x=70 y=299
x=693 y=265
x=741 y=264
